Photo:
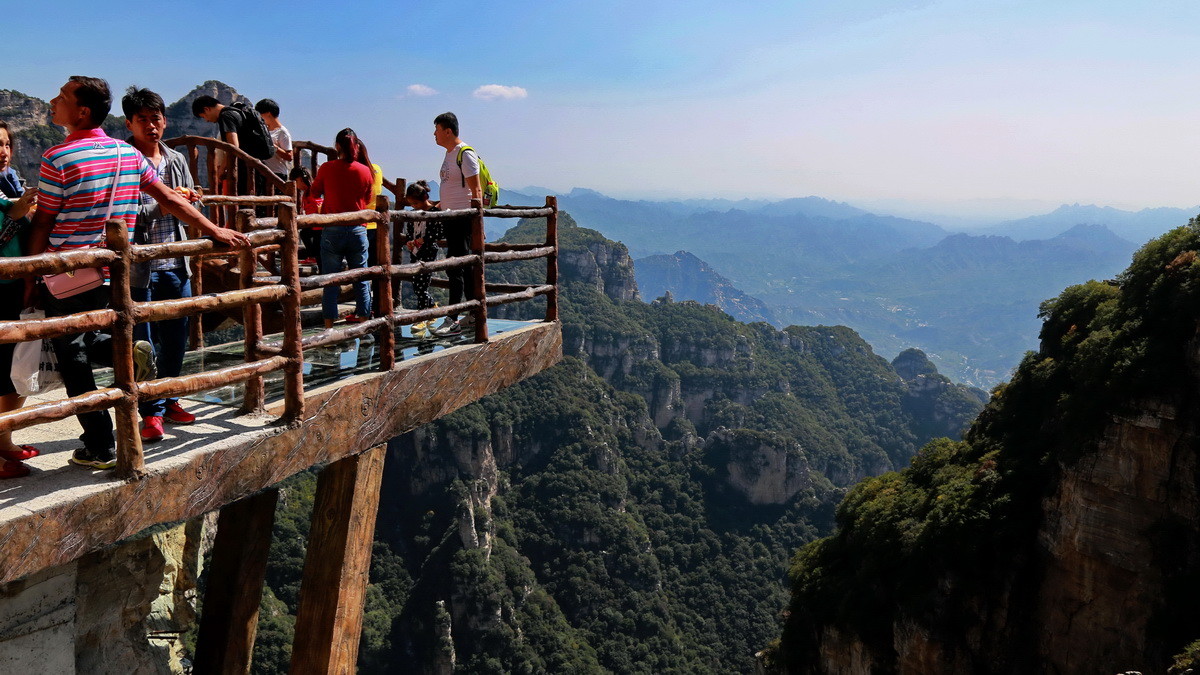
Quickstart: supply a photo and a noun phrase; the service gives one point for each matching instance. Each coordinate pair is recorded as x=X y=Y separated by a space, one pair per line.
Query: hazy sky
x=959 y=104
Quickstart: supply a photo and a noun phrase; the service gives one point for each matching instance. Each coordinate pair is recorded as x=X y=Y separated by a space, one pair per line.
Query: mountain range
x=968 y=299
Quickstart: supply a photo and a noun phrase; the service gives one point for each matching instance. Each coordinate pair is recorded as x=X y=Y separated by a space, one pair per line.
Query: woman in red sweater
x=346 y=186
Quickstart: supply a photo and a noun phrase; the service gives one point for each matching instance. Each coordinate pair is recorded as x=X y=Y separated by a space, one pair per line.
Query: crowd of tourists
x=91 y=178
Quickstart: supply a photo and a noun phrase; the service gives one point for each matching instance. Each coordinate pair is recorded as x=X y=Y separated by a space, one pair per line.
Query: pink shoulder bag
x=72 y=283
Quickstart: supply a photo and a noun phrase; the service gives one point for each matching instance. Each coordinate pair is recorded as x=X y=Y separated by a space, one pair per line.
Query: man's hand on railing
x=227 y=237
x=175 y=204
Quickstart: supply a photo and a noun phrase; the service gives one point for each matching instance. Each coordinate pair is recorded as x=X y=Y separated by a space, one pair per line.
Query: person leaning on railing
x=166 y=278
x=81 y=179
x=15 y=203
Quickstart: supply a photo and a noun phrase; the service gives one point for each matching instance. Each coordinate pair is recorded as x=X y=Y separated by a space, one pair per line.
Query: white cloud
x=421 y=90
x=492 y=92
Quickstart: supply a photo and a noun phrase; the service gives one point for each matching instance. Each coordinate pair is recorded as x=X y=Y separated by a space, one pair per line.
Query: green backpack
x=491 y=191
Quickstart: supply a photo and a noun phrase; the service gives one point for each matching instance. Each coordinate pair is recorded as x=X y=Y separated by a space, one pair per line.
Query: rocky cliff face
x=763 y=469
x=28 y=118
x=1061 y=535
x=603 y=266
x=1116 y=532
x=932 y=398
x=687 y=277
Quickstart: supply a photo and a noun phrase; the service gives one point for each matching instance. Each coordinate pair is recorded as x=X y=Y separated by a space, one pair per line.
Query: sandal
x=25 y=452
x=13 y=470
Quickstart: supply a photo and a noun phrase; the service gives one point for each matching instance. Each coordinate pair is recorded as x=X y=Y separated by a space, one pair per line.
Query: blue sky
x=953 y=107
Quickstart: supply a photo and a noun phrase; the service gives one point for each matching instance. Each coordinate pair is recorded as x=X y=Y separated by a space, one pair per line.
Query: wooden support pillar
x=229 y=619
x=130 y=461
x=252 y=401
x=333 y=590
x=477 y=240
x=552 y=259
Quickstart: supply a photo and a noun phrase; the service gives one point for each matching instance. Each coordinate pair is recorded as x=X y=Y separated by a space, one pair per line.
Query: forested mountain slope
x=633 y=509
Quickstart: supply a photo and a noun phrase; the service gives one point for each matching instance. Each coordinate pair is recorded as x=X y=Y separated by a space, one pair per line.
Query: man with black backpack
x=239 y=125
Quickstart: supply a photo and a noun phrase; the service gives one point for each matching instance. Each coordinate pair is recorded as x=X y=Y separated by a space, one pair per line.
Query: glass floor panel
x=322 y=365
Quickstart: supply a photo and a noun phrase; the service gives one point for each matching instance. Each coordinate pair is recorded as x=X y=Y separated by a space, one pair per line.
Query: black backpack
x=253 y=135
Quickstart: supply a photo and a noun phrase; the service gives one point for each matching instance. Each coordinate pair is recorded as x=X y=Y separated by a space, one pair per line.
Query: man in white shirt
x=281 y=163
x=459 y=183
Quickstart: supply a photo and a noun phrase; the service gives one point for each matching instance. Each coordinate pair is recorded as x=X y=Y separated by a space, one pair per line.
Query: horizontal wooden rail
x=53 y=411
x=55 y=262
x=408 y=216
x=504 y=247
x=246 y=200
x=343 y=277
x=510 y=256
x=510 y=288
x=527 y=294
x=42 y=329
x=191 y=384
x=335 y=335
x=191 y=247
x=161 y=310
x=333 y=219
x=397 y=272
x=502 y=212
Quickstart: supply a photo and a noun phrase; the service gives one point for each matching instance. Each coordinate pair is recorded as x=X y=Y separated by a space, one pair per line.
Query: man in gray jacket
x=145 y=117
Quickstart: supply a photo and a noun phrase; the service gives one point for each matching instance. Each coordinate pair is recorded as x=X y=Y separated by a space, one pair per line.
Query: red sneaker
x=177 y=415
x=152 y=429
x=353 y=318
x=23 y=453
x=13 y=470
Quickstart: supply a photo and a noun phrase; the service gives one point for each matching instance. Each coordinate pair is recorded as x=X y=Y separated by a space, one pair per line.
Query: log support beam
x=235 y=582
x=333 y=589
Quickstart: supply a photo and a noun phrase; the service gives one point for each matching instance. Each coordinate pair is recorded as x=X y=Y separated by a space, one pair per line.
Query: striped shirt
x=76 y=180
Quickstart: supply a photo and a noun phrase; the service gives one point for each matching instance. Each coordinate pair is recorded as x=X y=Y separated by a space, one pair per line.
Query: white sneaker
x=449 y=327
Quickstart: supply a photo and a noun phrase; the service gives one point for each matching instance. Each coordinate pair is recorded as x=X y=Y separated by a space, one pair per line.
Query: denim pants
x=168 y=337
x=340 y=243
x=76 y=353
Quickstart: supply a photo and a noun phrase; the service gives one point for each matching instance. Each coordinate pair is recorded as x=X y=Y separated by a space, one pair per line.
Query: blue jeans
x=168 y=337
x=340 y=243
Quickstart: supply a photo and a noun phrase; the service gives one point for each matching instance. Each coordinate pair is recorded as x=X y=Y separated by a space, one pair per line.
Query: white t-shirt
x=282 y=138
x=453 y=194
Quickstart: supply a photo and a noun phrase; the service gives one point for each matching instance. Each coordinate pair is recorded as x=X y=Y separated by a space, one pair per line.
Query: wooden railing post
x=289 y=275
x=552 y=259
x=387 y=308
x=477 y=240
x=130 y=462
x=253 y=400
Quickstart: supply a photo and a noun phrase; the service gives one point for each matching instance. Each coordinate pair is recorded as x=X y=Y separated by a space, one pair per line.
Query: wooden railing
x=280 y=233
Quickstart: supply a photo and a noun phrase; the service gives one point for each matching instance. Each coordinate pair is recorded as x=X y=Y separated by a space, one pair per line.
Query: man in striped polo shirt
x=78 y=177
